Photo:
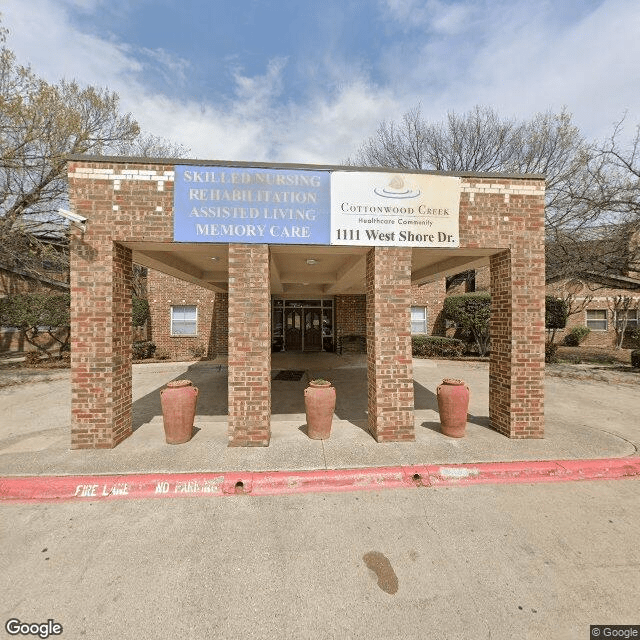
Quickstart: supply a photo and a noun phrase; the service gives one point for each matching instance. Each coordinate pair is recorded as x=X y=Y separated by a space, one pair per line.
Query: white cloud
x=521 y=61
x=452 y=56
x=253 y=125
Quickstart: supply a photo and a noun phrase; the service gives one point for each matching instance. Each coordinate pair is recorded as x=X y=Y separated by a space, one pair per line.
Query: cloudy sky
x=309 y=80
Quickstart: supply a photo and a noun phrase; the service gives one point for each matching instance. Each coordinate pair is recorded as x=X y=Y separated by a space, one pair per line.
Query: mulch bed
x=289 y=374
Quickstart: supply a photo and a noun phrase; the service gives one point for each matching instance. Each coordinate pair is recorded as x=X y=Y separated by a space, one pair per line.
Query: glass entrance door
x=293 y=329
x=312 y=337
x=302 y=325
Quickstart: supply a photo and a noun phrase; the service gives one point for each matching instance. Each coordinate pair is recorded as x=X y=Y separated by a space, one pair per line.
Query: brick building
x=287 y=289
x=600 y=303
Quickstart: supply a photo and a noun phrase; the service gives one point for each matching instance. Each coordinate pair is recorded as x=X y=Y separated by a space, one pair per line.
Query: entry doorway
x=302 y=325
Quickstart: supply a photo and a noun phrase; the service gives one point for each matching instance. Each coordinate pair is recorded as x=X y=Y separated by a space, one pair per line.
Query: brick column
x=516 y=369
x=389 y=363
x=101 y=335
x=249 y=345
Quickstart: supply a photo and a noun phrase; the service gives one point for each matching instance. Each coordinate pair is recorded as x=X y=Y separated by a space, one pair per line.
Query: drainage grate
x=289 y=374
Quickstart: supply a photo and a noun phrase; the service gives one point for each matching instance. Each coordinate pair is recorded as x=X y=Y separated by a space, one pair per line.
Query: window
x=418 y=319
x=184 y=320
x=632 y=318
x=597 y=319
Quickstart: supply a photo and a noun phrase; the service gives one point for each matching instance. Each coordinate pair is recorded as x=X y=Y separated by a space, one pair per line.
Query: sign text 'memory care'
x=246 y=205
x=291 y=206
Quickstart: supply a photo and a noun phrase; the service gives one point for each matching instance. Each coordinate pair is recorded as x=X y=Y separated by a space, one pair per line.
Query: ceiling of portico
x=299 y=270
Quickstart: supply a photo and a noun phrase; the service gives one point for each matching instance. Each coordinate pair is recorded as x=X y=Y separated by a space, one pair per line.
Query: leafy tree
x=471 y=313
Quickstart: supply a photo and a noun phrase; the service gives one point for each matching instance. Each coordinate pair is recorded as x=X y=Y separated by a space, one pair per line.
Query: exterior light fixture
x=214 y=258
x=312 y=261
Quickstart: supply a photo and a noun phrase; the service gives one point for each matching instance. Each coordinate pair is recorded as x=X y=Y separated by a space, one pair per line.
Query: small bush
x=635 y=358
x=550 y=349
x=162 y=354
x=576 y=336
x=198 y=350
x=143 y=349
x=139 y=311
x=33 y=357
x=436 y=347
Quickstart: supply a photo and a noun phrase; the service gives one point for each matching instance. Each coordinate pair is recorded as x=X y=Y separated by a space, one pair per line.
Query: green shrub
x=635 y=358
x=436 y=347
x=143 y=349
x=550 y=349
x=471 y=313
x=556 y=312
x=576 y=336
x=35 y=314
x=140 y=311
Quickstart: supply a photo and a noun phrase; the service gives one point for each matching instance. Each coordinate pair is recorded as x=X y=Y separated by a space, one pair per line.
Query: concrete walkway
x=584 y=419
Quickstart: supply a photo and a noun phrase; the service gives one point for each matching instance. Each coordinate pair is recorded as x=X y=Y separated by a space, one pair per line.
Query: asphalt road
x=476 y=562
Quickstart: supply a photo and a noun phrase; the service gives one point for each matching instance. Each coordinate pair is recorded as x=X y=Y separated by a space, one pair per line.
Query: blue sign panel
x=247 y=205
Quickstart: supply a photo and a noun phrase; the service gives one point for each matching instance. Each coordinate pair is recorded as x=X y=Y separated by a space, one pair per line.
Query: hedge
x=436 y=347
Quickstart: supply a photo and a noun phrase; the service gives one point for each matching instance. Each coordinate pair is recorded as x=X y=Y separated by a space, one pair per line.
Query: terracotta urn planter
x=319 y=404
x=178 y=401
x=453 y=405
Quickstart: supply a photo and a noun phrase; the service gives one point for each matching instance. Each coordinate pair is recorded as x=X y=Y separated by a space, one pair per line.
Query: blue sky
x=308 y=81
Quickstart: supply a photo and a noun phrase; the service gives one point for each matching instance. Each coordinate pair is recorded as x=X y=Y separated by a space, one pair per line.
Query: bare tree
x=621 y=306
x=591 y=191
x=40 y=125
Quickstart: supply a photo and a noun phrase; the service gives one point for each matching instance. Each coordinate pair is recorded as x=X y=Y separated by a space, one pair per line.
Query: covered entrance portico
x=130 y=217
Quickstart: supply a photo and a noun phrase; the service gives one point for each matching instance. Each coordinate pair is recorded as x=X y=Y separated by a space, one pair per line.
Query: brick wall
x=166 y=291
x=431 y=295
x=351 y=323
x=221 y=322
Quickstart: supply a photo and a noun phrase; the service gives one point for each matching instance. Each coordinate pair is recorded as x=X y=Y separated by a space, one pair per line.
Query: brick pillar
x=389 y=363
x=516 y=369
x=101 y=336
x=249 y=346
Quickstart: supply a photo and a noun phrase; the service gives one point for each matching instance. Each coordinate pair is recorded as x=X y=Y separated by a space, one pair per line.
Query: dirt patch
x=593 y=355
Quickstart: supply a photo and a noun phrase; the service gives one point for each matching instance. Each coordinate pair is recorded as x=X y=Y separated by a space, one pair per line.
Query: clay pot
x=319 y=404
x=178 y=401
x=453 y=405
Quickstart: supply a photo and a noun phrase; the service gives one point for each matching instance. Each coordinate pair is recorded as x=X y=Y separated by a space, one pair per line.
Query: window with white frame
x=419 y=320
x=184 y=320
x=632 y=316
x=597 y=319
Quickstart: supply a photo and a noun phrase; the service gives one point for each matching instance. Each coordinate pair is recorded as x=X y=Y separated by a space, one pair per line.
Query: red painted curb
x=266 y=483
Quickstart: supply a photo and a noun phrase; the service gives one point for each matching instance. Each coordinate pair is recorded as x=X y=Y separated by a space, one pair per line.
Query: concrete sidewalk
x=584 y=419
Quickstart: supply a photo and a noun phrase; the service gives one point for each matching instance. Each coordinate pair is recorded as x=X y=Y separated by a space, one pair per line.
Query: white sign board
x=394 y=209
